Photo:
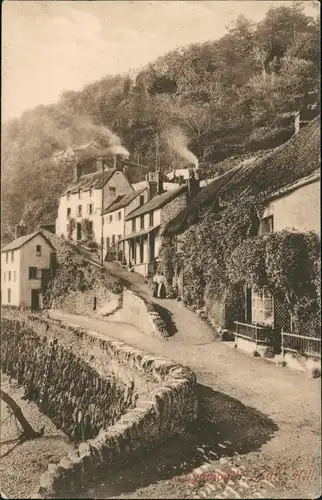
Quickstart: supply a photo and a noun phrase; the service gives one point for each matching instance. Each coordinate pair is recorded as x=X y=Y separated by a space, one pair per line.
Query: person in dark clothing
x=162 y=290
x=155 y=285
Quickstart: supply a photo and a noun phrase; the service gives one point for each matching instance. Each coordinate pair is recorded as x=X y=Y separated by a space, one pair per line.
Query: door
x=35 y=300
x=79 y=231
x=152 y=246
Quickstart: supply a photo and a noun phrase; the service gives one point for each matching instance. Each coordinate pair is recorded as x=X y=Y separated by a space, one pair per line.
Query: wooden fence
x=294 y=343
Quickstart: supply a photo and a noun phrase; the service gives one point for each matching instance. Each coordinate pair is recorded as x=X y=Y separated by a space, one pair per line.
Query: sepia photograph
x=160 y=249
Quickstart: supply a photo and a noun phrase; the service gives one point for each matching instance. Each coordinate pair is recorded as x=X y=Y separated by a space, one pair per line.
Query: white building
x=114 y=216
x=85 y=198
x=26 y=263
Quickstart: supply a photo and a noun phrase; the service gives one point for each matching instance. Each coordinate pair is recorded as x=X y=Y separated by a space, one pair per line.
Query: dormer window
x=141 y=200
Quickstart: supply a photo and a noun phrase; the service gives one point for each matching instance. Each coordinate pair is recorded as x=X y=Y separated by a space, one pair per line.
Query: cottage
x=288 y=179
x=96 y=185
x=26 y=264
x=114 y=218
x=144 y=226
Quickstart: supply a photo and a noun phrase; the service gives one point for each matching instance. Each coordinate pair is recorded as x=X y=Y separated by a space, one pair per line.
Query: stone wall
x=139 y=312
x=83 y=302
x=166 y=402
x=76 y=398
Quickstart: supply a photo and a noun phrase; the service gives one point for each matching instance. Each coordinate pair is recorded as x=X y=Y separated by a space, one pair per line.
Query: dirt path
x=268 y=415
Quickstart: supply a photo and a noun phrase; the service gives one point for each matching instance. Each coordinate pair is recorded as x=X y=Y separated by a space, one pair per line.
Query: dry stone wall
x=76 y=398
x=164 y=394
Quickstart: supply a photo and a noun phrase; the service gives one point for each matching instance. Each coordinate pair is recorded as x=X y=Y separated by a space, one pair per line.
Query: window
x=113 y=240
x=112 y=190
x=90 y=208
x=119 y=237
x=133 y=225
x=142 y=222
x=38 y=250
x=68 y=195
x=7 y=257
x=90 y=192
x=262 y=308
x=91 y=226
x=69 y=212
x=141 y=200
x=119 y=216
x=14 y=276
x=4 y=276
x=9 y=275
x=79 y=194
x=151 y=219
x=141 y=251
x=267 y=225
x=9 y=295
x=12 y=256
x=107 y=242
x=32 y=273
x=111 y=218
x=80 y=210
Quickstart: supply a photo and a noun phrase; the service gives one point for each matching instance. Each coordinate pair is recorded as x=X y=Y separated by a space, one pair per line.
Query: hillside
x=219 y=100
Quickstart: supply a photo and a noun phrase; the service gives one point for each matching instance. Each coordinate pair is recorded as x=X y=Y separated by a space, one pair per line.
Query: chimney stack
x=77 y=171
x=99 y=164
x=193 y=184
x=20 y=229
x=159 y=182
x=152 y=184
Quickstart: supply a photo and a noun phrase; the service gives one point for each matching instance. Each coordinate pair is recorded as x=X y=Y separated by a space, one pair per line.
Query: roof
x=139 y=233
x=293 y=160
x=93 y=180
x=309 y=179
x=19 y=242
x=157 y=202
x=123 y=200
x=208 y=193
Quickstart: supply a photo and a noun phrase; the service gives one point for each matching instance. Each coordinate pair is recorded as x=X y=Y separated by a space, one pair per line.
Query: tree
x=28 y=431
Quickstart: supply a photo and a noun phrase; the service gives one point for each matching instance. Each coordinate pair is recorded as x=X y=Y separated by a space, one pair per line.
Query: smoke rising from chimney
x=178 y=142
x=102 y=135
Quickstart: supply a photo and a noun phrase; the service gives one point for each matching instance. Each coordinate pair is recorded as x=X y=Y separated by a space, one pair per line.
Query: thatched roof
x=293 y=160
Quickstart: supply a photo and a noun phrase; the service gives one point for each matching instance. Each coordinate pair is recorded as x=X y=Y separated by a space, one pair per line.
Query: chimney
x=297 y=125
x=77 y=171
x=152 y=184
x=159 y=182
x=193 y=184
x=20 y=229
x=126 y=171
x=99 y=164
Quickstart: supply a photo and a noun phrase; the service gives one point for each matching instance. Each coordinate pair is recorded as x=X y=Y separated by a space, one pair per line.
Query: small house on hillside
x=26 y=265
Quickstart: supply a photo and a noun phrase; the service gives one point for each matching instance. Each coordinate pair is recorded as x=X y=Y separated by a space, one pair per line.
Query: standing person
x=155 y=285
x=162 y=291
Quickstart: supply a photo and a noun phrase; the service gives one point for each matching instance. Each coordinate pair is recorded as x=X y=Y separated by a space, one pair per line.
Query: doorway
x=35 y=300
x=79 y=231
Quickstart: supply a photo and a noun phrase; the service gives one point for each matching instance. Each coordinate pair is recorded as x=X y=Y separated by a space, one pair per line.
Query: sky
x=52 y=46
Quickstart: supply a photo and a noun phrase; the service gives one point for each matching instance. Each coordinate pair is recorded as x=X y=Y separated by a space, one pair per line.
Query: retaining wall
x=163 y=409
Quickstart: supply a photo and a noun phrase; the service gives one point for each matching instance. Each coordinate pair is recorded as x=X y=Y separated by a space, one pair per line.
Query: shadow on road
x=224 y=426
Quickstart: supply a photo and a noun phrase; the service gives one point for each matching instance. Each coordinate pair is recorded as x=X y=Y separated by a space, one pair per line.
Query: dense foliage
x=229 y=97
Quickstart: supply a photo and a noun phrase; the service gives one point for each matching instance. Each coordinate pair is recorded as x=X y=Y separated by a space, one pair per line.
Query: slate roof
x=293 y=160
x=123 y=200
x=157 y=202
x=19 y=242
x=93 y=180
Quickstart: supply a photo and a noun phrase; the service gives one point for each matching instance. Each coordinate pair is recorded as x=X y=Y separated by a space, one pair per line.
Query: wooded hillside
x=228 y=97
